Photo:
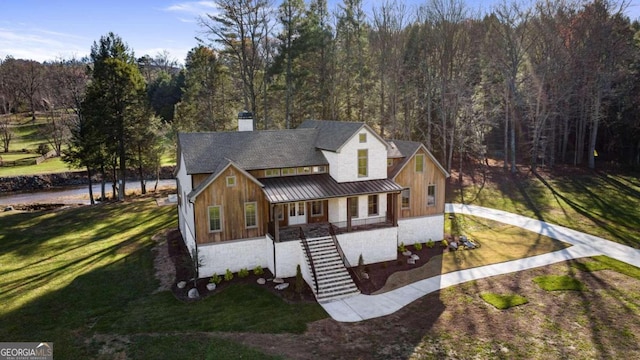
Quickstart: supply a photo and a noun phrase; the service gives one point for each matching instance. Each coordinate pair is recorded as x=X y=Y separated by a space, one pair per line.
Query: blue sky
x=52 y=29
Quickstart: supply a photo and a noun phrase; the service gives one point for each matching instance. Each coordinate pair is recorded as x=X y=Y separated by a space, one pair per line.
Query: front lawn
x=73 y=275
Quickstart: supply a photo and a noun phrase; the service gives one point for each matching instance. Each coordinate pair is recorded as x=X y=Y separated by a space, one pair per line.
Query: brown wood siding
x=231 y=199
x=418 y=182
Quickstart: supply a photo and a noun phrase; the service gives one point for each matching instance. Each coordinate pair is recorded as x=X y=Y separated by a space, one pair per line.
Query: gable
x=218 y=174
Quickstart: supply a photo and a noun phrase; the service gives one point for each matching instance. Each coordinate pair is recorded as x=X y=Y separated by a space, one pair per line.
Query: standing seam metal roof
x=322 y=186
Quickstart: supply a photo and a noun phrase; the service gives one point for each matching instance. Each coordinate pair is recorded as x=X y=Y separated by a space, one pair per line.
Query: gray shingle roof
x=332 y=134
x=406 y=148
x=204 y=152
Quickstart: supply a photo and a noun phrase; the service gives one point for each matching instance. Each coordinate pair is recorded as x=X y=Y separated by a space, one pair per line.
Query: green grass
x=504 y=301
x=71 y=274
x=603 y=262
x=558 y=283
x=598 y=203
x=49 y=166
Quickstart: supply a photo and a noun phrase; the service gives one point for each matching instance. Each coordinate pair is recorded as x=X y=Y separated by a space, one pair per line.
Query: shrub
x=360 y=264
x=430 y=244
x=445 y=243
x=418 y=246
x=299 y=285
x=216 y=279
x=258 y=270
x=402 y=248
x=43 y=149
x=243 y=273
x=228 y=276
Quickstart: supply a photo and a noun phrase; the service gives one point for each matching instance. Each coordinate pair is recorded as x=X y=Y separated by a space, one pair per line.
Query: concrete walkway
x=363 y=307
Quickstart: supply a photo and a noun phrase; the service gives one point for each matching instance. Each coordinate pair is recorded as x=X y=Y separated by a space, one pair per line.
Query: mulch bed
x=380 y=272
x=178 y=253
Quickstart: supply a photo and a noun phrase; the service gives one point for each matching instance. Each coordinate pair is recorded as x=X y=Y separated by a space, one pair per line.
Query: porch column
x=276 y=222
x=348 y=214
x=396 y=208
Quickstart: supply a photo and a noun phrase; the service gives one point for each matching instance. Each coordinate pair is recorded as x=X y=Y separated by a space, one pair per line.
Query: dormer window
x=363 y=137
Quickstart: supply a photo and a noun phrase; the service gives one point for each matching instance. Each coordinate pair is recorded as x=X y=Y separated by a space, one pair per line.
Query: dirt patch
x=164 y=269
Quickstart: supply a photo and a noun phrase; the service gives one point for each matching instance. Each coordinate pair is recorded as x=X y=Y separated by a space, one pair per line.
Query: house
x=321 y=196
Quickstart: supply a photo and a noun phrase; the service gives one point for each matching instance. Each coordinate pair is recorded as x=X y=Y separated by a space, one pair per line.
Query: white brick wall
x=421 y=229
x=288 y=256
x=185 y=213
x=343 y=166
x=234 y=255
x=374 y=245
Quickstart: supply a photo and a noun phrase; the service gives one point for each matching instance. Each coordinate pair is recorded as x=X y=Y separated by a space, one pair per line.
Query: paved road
x=74 y=195
x=363 y=307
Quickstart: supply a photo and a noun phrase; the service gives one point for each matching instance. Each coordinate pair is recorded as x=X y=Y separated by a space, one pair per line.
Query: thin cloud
x=193 y=7
x=39 y=44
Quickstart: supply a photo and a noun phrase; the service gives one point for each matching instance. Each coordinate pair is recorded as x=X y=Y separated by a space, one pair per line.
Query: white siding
x=288 y=256
x=185 y=213
x=343 y=166
x=374 y=245
x=421 y=229
x=338 y=209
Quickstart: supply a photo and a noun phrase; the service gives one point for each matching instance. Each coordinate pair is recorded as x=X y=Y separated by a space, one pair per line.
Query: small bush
x=228 y=276
x=243 y=273
x=503 y=302
x=445 y=243
x=43 y=149
x=258 y=270
x=360 y=265
x=430 y=244
x=216 y=279
x=402 y=248
x=418 y=246
x=299 y=285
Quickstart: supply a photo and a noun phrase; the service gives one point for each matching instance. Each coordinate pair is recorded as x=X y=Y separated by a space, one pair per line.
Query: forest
x=541 y=84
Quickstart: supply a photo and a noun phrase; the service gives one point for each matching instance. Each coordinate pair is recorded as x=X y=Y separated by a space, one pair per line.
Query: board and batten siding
x=232 y=200
x=418 y=183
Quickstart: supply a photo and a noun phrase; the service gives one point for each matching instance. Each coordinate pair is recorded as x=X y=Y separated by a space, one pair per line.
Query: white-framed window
x=288 y=171
x=317 y=208
x=231 y=181
x=406 y=196
x=353 y=205
x=420 y=163
x=304 y=170
x=250 y=214
x=363 y=162
x=373 y=205
x=319 y=169
x=215 y=218
x=272 y=172
x=362 y=137
x=431 y=195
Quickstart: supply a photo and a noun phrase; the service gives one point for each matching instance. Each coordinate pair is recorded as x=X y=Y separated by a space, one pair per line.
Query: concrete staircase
x=334 y=281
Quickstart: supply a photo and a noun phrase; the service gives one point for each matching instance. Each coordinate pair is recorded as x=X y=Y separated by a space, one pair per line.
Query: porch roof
x=321 y=186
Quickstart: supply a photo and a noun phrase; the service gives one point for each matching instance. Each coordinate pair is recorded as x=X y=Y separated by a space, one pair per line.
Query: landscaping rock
x=193 y=294
x=278 y=280
x=411 y=261
x=282 y=286
x=211 y=286
x=407 y=253
x=365 y=276
x=415 y=257
x=8 y=208
x=261 y=281
x=182 y=284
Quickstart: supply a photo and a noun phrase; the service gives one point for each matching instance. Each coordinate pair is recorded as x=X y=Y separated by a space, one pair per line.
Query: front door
x=297 y=214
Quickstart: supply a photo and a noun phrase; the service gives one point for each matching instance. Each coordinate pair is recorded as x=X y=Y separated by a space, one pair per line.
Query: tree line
x=542 y=84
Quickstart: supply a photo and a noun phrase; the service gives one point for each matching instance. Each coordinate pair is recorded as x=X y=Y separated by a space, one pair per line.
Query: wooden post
x=348 y=214
x=276 y=222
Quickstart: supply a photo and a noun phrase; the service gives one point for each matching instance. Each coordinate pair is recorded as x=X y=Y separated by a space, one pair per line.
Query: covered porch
x=314 y=204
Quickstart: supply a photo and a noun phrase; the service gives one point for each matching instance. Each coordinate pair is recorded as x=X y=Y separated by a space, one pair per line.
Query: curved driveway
x=363 y=307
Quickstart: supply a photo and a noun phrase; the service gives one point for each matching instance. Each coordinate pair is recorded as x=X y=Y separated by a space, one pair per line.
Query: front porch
x=316 y=230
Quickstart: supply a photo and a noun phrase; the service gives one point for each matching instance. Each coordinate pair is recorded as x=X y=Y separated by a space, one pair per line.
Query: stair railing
x=307 y=250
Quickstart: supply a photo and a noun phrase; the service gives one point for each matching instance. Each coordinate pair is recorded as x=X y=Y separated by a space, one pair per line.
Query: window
x=215 y=218
x=353 y=206
x=304 y=170
x=272 y=172
x=431 y=195
x=231 y=181
x=250 y=215
x=363 y=137
x=288 y=171
x=373 y=205
x=319 y=169
x=406 y=195
x=317 y=208
x=420 y=163
x=363 y=162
